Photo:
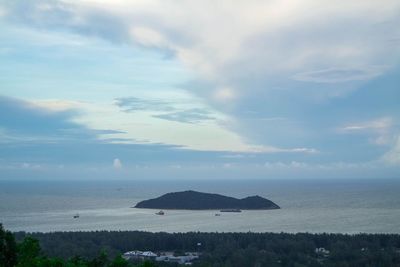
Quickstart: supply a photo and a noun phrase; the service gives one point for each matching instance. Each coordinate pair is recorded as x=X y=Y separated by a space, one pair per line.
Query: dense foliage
x=192 y=200
x=218 y=249
x=28 y=253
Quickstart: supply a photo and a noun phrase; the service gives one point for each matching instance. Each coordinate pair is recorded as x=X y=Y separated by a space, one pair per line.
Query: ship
x=160 y=213
x=230 y=210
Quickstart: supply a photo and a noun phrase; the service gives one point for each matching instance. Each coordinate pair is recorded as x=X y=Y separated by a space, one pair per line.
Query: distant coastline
x=193 y=200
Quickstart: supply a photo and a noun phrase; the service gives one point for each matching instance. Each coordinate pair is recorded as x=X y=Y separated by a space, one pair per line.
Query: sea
x=309 y=205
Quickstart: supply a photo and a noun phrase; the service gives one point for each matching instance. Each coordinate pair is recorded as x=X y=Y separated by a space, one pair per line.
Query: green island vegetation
x=193 y=200
x=104 y=248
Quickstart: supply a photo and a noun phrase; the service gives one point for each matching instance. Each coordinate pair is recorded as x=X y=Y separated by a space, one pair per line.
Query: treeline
x=28 y=253
x=232 y=249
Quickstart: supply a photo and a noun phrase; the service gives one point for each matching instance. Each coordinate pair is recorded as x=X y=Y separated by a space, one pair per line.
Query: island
x=193 y=200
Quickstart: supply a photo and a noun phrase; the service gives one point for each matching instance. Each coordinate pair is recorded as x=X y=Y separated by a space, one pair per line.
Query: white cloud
x=340 y=75
x=2 y=12
x=26 y=165
x=147 y=37
x=393 y=156
x=225 y=41
x=380 y=130
x=233 y=156
x=381 y=124
x=224 y=94
x=333 y=166
x=251 y=45
x=58 y=105
x=117 y=164
x=268 y=149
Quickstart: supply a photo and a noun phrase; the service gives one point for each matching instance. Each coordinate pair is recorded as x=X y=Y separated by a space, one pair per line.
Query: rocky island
x=192 y=200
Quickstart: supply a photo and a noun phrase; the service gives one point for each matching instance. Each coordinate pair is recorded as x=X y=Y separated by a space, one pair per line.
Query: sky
x=166 y=89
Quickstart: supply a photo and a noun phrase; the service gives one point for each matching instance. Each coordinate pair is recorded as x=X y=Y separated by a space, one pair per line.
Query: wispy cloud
x=130 y=104
x=194 y=115
x=340 y=75
x=165 y=110
x=381 y=131
x=393 y=155
x=381 y=124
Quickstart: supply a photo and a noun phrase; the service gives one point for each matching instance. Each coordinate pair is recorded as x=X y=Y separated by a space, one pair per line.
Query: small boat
x=217 y=214
x=160 y=213
x=230 y=210
x=76 y=216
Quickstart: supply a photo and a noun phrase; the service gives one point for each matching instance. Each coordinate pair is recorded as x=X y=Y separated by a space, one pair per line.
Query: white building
x=163 y=256
x=322 y=251
x=137 y=254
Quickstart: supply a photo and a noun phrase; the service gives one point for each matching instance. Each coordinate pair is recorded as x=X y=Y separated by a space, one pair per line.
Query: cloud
x=239 y=42
x=2 y=12
x=130 y=104
x=339 y=75
x=332 y=166
x=393 y=155
x=225 y=94
x=117 y=164
x=26 y=165
x=165 y=110
x=147 y=37
x=36 y=135
x=43 y=157
x=23 y=121
x=194 y=115
x=382 y=129
x=299 y=60
x=381 y=124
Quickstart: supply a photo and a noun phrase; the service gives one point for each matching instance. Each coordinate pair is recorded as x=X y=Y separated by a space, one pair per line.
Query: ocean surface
x=335 y=206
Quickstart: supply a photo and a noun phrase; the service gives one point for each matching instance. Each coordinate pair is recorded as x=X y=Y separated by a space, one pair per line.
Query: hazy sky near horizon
x=191 y=89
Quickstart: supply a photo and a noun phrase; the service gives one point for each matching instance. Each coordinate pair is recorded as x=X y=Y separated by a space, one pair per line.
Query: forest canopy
x=217 y=249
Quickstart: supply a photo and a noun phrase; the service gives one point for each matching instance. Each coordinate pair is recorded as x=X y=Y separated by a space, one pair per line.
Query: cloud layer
x=309 y=81
x=233 y=44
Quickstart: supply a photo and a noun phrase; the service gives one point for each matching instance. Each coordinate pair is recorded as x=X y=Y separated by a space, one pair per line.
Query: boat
x=230 y=210
x=160 y=213
x=76 y=216
x=217 y=214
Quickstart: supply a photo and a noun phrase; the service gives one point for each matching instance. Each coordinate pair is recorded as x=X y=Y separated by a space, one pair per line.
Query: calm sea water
x=340 y=206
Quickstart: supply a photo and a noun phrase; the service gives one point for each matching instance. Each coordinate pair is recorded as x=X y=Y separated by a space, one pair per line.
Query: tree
x=147 y=264
x=28 y=252
x=119 y=262
x=100 y=261
x=8 y=248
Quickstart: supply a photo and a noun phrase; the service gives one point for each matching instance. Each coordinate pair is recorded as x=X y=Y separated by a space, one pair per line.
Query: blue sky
x=199 y=89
